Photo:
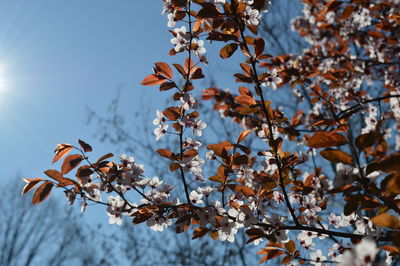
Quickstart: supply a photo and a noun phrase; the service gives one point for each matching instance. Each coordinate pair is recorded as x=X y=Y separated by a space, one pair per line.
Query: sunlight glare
x=3 y=84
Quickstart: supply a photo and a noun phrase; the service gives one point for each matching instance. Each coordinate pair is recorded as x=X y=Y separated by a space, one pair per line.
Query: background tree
x=49 y=234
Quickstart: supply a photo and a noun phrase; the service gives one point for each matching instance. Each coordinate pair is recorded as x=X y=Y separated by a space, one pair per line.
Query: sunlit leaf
x=337 y=156
x=42 y=192
x=259 y=46
x=386 y=220
x=56 y=175
x=105 y=156
x=71 y=162
x=167 y=86
x=200 y=232
x=214 y=235
x=153 y=79
x=84 y=171
x=243 y=135
x=348 y=10
x=166 y=153
x=245 y=190
x=245 y=100
x=164 y=69
x=86 y=147
x=174 y=166
x=61 y=151
x=172 y=113
x=246 y=70
x=218 y=148
x=323 y=139
x=389 y=164
x=209 y=10
x=367 y=140
x=290 y=246
x=228 y=50
x=31 y=183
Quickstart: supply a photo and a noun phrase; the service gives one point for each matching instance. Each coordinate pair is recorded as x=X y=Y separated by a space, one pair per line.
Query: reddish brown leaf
x=105 y=156
x=164 y=69
x=190 y=154
x=174 y=166
x=83 y=171
x=287 y=259
x=31 y=183
x=245 y=100
x=273 y=253
x=246 y=110
x=333 y=5
x=245 y=190
x=166 y=153
x=290 y=246
x=188 y=65
x=375 y=34
x=390 y=248
x=56 y=175
x=142 y=217
x=42 y=192
x=337 y=156
x=218 y=148
x=197 y=73
x=348 y=10
x=240 y=159
x=386 y=220
x=352 y=204
x=228 y=50
x=152 y=80
x=246 y=70
x=245 y=91
x=200 y=232
x=255 y=232
x=167 y=86
x=367 y=140
x=209 y=10
x=389 y=164
x=214 y=235
x=218 y=179
x=71 y=162
x=393 y=184
x=33 y=179
x=61 y=151
x=86 y=147
x=259 y=46
x=242 y=78
x=323 y=139
x=172 y=113
x=243 y=135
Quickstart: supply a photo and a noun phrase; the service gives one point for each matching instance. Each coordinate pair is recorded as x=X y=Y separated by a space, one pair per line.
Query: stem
x=110 y=183
x=350 y=109
x=265 y=111
x=355 y=154
x=183 y=112
x=322 y=231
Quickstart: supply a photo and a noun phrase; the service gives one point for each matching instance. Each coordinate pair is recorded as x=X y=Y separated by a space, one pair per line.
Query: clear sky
x=58 y=56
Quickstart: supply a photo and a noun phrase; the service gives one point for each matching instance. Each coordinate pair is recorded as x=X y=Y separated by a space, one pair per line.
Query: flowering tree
x=281 y=190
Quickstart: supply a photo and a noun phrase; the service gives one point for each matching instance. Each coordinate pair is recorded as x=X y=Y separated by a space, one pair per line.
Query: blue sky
x=58 y=56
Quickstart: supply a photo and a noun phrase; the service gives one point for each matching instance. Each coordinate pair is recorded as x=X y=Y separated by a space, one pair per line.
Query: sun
x=3 y=82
